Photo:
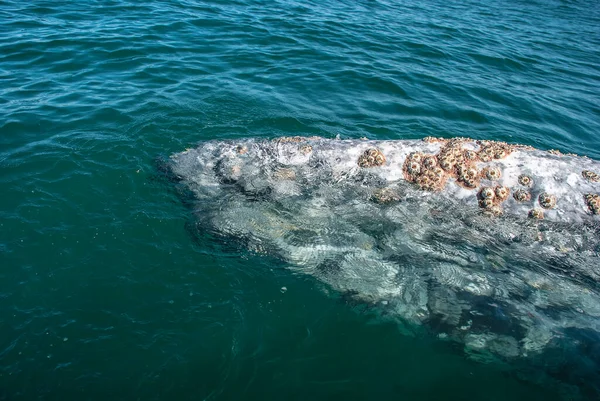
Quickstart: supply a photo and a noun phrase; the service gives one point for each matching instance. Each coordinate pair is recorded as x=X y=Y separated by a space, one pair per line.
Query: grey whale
x=495 y=245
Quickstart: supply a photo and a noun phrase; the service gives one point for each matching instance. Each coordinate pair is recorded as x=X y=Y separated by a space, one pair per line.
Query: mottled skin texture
x=464 y=163
x=374 y=209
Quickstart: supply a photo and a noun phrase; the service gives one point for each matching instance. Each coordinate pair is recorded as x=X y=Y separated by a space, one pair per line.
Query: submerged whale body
x=491 y=244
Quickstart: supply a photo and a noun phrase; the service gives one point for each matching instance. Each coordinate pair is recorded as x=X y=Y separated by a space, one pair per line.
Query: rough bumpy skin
x=478 y=239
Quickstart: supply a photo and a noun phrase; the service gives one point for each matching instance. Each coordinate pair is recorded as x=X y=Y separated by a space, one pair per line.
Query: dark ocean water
x=105 y=293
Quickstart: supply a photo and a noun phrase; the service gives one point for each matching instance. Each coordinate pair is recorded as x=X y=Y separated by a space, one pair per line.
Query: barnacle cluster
x=459 y=163
x=546 y=200
x=536 y=214
x=451 y=154
x=371 y=158
x=490 y=150
x=424 y=171
x=525 y=180
x=430 y=172
x=306 y=149
x=470 y=155
x=429 y=162
x=593 y=202
x=432 y=179
x=490 y=198
x=491 y=173
x=432 y=139
x=590 y=176
x=467 y=175
x=486 y=196
x=385 y=196
x=521 y=195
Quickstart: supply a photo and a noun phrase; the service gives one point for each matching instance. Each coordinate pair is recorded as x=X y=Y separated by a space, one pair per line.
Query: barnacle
x=521 y=195
x=438 y=172
x=467 y=176
x=456 y=152
x=454 y=160
x=413 y=168
x=494 y=150
x=470 y=183
x=525 y=180
x=486 y=193
x=546 y=200
x=472 y=172
x=305 y=149
x=418 y=165
x=429 y=162
x=590 y=176
x=371 y=158
x=500 y=154
x=536 y=214
x=491 y=173
x=493 y=210
x=447 y=163
x=486 y=203
x=423 y=181
x=429 y=181
x=431 y=139
x=501 y=193
x=385 y=196
x=593 y=202
x=415 y=156
x=470 y=155
x=485 y=157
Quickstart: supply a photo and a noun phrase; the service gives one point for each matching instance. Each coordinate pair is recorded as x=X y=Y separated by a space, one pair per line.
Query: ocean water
x=105 y=290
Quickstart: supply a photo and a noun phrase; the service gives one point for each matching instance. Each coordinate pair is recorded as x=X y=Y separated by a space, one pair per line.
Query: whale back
x=491 y=244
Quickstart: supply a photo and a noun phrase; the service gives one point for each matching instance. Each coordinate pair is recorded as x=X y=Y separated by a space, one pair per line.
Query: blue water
x=105 y=294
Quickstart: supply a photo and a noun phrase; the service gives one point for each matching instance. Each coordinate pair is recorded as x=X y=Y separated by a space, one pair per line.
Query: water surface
x=104 y=291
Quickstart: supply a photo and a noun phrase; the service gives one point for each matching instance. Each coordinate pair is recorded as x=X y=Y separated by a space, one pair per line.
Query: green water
x=104 y=291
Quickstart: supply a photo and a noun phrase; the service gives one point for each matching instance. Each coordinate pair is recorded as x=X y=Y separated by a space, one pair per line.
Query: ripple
x=93 y=91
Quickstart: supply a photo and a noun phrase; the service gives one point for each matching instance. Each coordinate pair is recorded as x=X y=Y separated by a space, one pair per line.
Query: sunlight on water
x=168 y=289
